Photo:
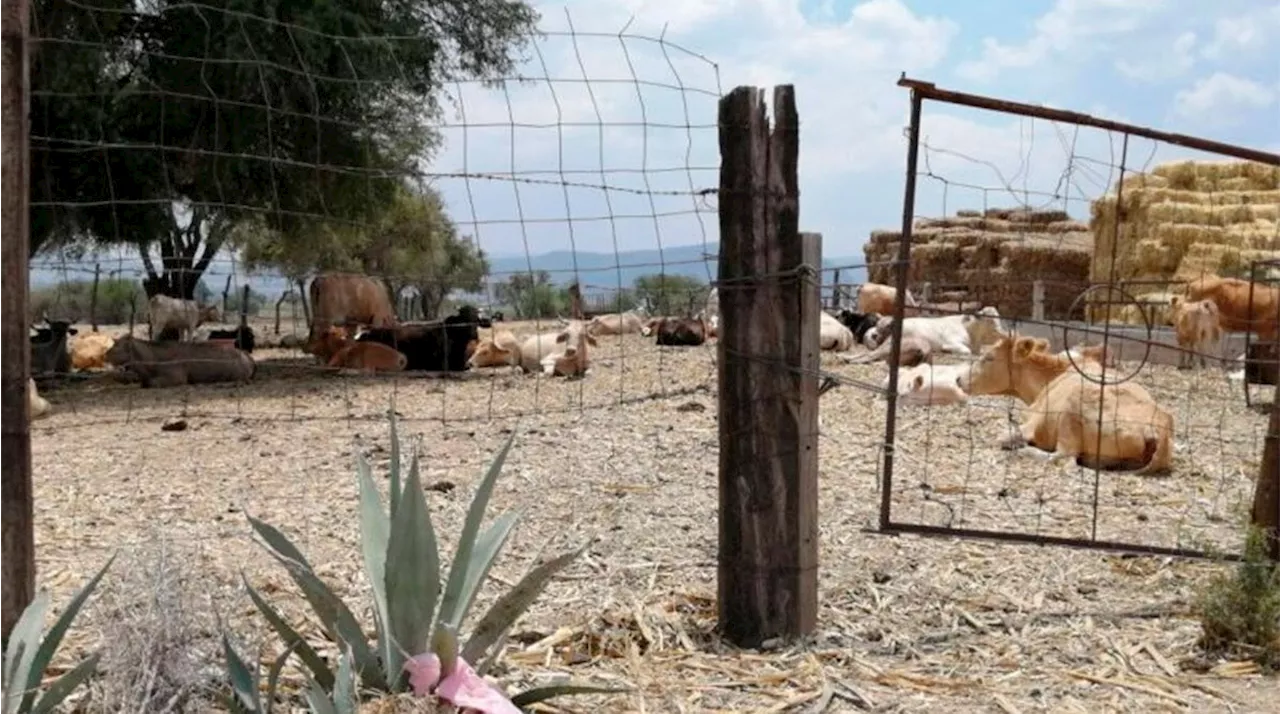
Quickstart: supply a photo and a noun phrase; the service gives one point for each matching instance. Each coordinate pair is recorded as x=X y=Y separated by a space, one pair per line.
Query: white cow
x=959 y=334
x=185 y=316
x=563 y=352
x=711 y=313
x=833 y=334
x=928 y=384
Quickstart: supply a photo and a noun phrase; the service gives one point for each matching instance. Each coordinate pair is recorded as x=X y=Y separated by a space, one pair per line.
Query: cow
x=1260 y=364
x=1198 y=328
x=930 y=385
x=1231 y=295
x=348 y=300
x=170 y=364
x=372 y=356
x=832 y=334
x=859 y=324
x=1113 y=426
x=177 y=318
x=680 y=331
x=874 y=297
x=1098 y=354
x=38 y=405
x=959 y=334
x=623 y=323
x=326 y=343
x=242 y=337
x=499 y=350
x=436 y=346
x=559 y=353
x=89 y=351
x=49 y=348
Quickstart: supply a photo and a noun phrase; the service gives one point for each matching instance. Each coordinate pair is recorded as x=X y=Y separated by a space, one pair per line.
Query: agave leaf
x=413 y=570
x=344 y=686
x=542 y=694
x=278 y=542
x=66 y=684
x=318 y=701
x=508 y=608
x=21 y=651
x=53 y=638
x=319 y=669
x=451 y=605
x=244 y=683
x=375 y=530
x=485 y=551
x=273 y=676
x=394 y=487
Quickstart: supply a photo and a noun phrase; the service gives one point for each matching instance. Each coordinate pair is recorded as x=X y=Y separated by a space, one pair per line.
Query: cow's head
x=984 y=326
x=1001 y=366
x=575 y=339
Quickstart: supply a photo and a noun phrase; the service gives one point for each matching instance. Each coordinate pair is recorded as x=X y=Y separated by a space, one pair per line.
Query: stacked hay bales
x=1178 y=222
x=992 y=257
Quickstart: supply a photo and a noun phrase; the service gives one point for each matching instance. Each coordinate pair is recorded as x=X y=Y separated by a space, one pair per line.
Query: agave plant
x=245 y=695
x=27 y=655
x=417 y=613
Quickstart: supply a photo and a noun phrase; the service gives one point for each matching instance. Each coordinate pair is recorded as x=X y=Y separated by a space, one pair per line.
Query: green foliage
x=71 y=301
x=413 y=605
x=671 y=294
x=1240 y=615
x=28 y=655
x=197 y=79
x=245 y=688
x=617 y=301
x=533 y=296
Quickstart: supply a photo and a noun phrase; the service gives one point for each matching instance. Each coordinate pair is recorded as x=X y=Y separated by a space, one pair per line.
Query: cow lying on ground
x=680 y=331
x=1112 y=426
x=619 y=323
x=561 y=353
x=436 y=346
x=859 y=324
x=38 y=405
x=500 y=350
x=874 y=297
x=242 y=336
x=174 y=317
x=49 y=348
x=1231 y=295
x=169 y=364
x=1198 y=328
x=930 y=385
x=833 y=335
x=959 y=334
x=89 y=351
x=349 y=299
x=370 y=356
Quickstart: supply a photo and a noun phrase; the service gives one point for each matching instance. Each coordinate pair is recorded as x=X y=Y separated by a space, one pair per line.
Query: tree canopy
x=671 y=294
x=170 y=126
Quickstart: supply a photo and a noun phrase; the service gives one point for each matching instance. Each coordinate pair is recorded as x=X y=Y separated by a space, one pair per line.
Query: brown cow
x=169 y=364
x=327 y=343
x=1198 y=327
x=349 y=299
x=680 y=331
x=874 y=297
x=1231 y=295
x=373 y=356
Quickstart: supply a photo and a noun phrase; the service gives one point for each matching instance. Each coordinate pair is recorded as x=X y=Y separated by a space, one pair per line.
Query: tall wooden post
x=18 y=560
x=1266 y=493
x=768 y=356
x=93 y=297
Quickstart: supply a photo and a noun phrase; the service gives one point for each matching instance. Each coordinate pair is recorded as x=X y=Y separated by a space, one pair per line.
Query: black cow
x=681 y=331
x=433 y=346
x=243 y=335
x=49 y=348
x=858 y=323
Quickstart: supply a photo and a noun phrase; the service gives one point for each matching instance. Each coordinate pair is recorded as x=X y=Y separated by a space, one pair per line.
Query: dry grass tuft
x=1240 y=612
x=155 y=635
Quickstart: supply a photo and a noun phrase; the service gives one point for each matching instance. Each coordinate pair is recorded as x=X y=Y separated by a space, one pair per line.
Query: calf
x=1198 y=328
x=1112 y=426
x=242 y=336
x=930 y=385
x=172 y=316
x=372 y=356
x=49 y=348
x=681 y=332
x=326 y=343
x=38 y=405
x=859 y=324
x=502 y=349
x=89 y=351
x=170 y=364
x=560 y=353
x=960 y=334
x=833 y=335
x=436 y=346
x=1231 y=295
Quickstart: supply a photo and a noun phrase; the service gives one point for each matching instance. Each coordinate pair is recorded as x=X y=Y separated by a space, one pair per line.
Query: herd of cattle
x=354 y=326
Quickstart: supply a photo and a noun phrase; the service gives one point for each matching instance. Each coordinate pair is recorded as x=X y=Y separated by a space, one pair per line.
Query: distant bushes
x=71 y=301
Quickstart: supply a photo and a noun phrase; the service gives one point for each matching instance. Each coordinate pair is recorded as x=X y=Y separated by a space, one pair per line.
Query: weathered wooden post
x=226 y=295
x=768 y=357
x=244 y=305
x=279 y=302
x=93 y=297
x=1266 y=494
x=1037 y=301
x=835 y=290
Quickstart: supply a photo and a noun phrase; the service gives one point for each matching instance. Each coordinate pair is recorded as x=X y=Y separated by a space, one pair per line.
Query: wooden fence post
x=244 y=305
x=768 y=357
x=280 y=302
x=226 y=295
x=18 y=560
x=835 y=290
x=93 y=297
x=1266 y=494
x=1037 y=301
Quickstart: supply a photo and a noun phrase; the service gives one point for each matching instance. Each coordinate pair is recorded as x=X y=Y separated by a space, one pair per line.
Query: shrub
x=1240 y=613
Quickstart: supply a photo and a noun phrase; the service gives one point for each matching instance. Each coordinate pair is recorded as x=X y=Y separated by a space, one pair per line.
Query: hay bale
x=1186 y=219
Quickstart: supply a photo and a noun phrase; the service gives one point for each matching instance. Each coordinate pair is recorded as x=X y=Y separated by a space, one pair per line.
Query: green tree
x=671 y=294
x=533 y=295
x=168 y=125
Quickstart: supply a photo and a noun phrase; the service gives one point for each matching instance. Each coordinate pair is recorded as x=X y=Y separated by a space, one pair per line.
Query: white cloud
x=1179 y=60
x=1067 y=30
x=1220 y=97
x=1243 y=34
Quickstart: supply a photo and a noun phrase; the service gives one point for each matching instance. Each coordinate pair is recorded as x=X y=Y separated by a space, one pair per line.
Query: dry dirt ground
x=628 y=456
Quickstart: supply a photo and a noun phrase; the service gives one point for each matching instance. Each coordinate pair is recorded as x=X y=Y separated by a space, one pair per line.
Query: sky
x=646 y=111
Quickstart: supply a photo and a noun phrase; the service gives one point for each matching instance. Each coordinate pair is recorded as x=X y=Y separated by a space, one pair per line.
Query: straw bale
x=1186 y=218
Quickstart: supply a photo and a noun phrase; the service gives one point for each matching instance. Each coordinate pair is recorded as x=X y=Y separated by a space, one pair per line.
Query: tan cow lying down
x=500 y=350
x=874 y=297
x=169 y=364
x=1068 y=412
x=1231 y=295
x=833 y=335
x=89 y=351
x=1198 y=327
x=370 y=356
x=618 y=323
x=38 y=405
x=562 y=353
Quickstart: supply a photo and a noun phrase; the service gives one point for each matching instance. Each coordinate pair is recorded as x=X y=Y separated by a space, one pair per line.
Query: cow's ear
x=1024 y=346
x=918 y=382
x=1042 y=345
